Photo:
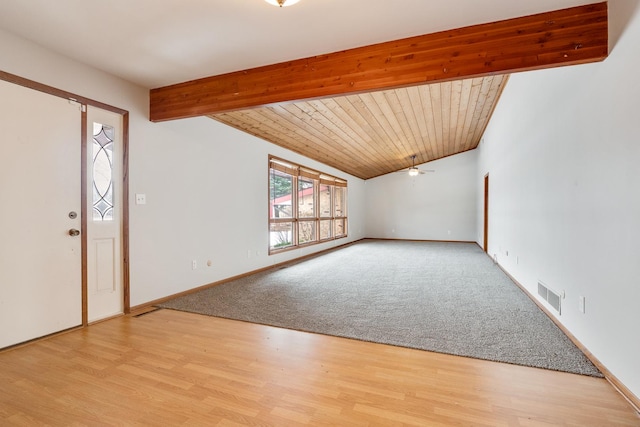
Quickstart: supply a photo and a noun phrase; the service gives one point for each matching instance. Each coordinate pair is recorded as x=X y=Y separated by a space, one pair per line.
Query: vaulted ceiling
x=373 y=110
x=363 y=116
x=371 y=134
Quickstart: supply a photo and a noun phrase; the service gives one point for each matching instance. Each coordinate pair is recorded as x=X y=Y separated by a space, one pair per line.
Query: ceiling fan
x=413 y=170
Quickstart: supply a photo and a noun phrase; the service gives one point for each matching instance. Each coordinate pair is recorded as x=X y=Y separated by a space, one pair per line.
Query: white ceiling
x=159 y=42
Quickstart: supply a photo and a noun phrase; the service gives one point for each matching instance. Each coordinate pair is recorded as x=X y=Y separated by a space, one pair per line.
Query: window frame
x=297 y=172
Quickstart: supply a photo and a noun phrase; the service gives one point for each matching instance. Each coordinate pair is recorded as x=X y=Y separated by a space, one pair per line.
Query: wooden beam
x=565 y=37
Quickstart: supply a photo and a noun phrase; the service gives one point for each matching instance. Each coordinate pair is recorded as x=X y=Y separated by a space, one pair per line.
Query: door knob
x=74 y=232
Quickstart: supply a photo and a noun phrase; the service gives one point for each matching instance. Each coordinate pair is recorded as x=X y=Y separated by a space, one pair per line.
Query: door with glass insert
x=104 y=218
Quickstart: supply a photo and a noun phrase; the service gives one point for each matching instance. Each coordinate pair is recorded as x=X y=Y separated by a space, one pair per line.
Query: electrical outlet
x=141 y=199
x=194 y=264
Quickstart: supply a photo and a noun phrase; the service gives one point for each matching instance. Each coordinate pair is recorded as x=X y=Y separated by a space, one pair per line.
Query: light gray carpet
x=443 y=297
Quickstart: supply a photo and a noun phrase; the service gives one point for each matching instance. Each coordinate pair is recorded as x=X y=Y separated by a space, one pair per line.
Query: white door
x=40 y=262
x=104 y=218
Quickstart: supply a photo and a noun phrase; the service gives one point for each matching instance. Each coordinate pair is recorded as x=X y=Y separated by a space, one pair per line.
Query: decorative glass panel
x=102 y=155
x=306 y=232
x=281 y=235
x=306 y=198
x=280 y=194
x=325 y=229
x=325 y=201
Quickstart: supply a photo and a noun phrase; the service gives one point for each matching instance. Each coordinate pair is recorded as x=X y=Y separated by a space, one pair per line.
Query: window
x=315 y=212
x=324 y=205
x=339 y=211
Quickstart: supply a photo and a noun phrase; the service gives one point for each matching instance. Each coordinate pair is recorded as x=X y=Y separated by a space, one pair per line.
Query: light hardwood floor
x=172 y=368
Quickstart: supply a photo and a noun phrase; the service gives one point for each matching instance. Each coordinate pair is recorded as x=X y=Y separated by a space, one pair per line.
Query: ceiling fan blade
x=418 y=171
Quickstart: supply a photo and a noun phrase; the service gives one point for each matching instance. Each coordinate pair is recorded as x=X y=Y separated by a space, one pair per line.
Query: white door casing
x=104 y=214
x=40 y=262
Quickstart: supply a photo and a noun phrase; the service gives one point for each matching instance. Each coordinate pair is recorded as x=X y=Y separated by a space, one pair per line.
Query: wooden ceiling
x=366 y=110
x=371 y=134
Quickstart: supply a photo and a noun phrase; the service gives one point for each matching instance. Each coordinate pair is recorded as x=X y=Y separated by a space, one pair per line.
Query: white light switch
x=141 y=199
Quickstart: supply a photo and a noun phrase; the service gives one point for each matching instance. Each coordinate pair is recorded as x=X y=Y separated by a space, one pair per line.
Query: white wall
x=206 y=184
x=207 y=199
x=434 y=206
x=563 y=154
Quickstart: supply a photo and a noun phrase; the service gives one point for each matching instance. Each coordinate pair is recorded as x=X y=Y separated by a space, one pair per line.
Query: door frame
x=21 y=81
x=485 y=243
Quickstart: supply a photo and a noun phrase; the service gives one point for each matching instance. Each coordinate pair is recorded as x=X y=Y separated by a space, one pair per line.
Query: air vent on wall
x=550 y=296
